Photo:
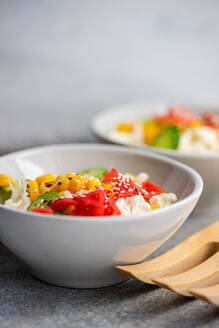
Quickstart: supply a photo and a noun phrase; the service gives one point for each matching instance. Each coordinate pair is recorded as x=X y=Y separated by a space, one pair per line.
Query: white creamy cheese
x=19 y=199
x=199 y=140
x=141 y=177
x=67 y=194
x=133 y=205
x=163 y=200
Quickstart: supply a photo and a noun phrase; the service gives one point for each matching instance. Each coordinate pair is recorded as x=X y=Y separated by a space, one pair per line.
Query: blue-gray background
x=62 y=61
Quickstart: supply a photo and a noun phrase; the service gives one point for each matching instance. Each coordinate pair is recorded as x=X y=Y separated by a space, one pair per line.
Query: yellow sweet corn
x=92 y=184
x=43 y=188
x=70 y=209
x=63 y=184
x=70 y=175
x=5 y=179
x=155 y=207
x=196 y=124
x=45 y=178
x=77 y=183
x=107 y=187
x=60 y=177
x=33 y=186
x=151 y=130
x=125 y=127
x=34 y=195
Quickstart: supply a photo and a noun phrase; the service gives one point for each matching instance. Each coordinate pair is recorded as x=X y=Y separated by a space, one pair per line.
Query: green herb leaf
x=44 y=200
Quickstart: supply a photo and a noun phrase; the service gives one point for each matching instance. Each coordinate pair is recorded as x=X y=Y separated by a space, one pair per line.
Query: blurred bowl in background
x=207 y=165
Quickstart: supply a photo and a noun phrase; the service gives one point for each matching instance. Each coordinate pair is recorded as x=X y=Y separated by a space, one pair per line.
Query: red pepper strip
x=211 y=119
x=108 y=177
x=62 y=204
x=177 y=115
x=42 y=210
x=152 y=189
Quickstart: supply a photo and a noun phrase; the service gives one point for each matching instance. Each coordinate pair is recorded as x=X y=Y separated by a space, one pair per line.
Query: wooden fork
x=190 y=269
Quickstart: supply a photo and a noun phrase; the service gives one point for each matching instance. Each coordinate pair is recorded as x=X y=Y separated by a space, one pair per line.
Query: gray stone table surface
x=60 y=63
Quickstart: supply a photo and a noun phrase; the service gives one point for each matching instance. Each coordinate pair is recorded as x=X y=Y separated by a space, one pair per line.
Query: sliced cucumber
x=97 y=172
x=44 y=200
x=169 y=138
x=5 y=194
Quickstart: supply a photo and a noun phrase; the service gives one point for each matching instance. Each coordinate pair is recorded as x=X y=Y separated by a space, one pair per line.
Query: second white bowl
x=207 y=165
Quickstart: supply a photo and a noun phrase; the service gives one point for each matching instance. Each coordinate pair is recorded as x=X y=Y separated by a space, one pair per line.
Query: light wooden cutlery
x=191 y=268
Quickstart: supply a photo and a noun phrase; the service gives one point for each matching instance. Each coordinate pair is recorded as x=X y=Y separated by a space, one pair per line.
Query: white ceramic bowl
x=82 y=251
x=207 y=165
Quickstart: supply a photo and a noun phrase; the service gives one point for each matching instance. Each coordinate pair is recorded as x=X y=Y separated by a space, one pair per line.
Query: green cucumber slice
x=44 y=200
x=169 y=138
x=97 y=172
x=5 y=194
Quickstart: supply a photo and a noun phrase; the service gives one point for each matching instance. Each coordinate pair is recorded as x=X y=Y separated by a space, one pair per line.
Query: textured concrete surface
x=60 y=63
x=28 y=303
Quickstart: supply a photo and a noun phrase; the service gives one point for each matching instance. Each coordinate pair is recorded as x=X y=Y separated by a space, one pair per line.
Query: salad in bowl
x=178 y=129
x=92 y=192
x=72 y=228
x=189 y=134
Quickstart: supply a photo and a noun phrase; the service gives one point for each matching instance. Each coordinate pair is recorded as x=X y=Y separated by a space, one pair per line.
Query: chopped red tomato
x=61 y=204
x=90 y=204
x=111 y=208
x=41 y=210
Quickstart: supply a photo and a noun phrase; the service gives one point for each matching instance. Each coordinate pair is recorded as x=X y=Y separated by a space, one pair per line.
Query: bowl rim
x=100 y=116
x=198 y=183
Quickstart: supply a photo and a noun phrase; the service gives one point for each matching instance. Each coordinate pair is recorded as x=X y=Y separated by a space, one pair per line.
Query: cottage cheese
x=141 y=177
x=163 y=200
x=133 y=205
x=199 y=140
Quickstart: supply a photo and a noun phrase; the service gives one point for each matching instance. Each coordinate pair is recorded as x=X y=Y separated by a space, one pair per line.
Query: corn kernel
x=125 y=127
x=70 y=209
x=196 y=124
x=34 y=195
x=43 y=188
x=45 y=178
x=155 y=207
x=64 y=184
x=70 y=175
x=75 y=185
x=5 y=179
x=60 y=177
x=93 y=183
x=107 y=187
x=33 y=186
